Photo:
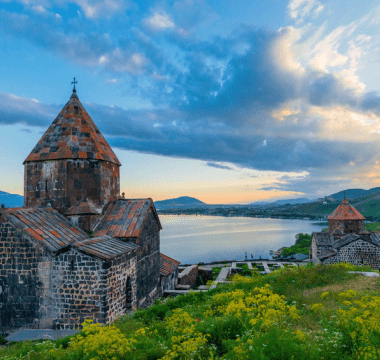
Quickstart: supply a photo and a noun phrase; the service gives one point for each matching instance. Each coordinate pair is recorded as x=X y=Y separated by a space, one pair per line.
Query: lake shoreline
x=194 y=239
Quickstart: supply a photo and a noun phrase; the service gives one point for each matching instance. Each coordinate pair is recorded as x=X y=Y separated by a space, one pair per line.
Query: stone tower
x=72 y=167
x=346 y=219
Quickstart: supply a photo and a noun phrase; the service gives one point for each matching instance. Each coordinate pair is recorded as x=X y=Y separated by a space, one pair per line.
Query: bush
x=303 y=242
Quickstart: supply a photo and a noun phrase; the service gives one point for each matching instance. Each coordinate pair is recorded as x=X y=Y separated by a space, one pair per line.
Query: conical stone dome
x=345 y=211
x=73 y=135
x=346 y=219
x=71 y=161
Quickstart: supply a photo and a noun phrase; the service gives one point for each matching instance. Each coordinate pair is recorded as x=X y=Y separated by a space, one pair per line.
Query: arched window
x=128 y=295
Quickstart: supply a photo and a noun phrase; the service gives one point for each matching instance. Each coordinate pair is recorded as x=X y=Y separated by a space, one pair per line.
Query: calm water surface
x=192 y=239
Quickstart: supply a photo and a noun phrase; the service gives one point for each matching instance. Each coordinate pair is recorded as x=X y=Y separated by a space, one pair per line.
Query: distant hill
x=354 y=193
x=11 y=200
x=293 y=201
x=183 y=201
x=368 y=204
x=283 y=202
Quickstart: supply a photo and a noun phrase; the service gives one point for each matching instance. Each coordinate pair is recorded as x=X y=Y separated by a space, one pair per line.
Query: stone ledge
x=38 y=334
x=167 y=293
x=365 y=273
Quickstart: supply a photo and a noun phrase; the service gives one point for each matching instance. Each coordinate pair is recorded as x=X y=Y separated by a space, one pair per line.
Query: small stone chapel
x=77 y=249
x=346 y=239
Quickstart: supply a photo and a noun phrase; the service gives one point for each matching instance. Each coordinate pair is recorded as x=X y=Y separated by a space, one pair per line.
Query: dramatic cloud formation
x=289 y=99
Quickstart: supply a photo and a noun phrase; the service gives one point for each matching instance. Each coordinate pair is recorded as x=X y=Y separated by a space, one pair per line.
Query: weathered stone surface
x=365 y=273
x=34 y=334
x=206 y=273
x=224 y=272
x=52 y=274
x=189 y=276
x=63 y=183
x=148 y=262
x=183 y=287
x=21 y=281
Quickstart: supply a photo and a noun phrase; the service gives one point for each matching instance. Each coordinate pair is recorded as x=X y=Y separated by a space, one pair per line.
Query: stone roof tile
x=73 y=135
x=84 y=207
x=345 y=211
x=167 y=265
x=125 y=218
x=46 y=226
x=105 y=247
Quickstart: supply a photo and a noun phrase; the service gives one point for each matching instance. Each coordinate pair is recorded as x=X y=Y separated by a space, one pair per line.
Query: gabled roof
x=105 y=247
x=345 y=211
x=167 y=264
x=345 y=240
x=84 y=207
x=125 y=218
x=370 y=237
x=298 y=256
x=73 y=135
x=46 y=226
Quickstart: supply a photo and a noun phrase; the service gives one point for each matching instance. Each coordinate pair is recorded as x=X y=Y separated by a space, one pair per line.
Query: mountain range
x=11 y=200
x=183 y=201
x=283 y=202
x=367 y=201
x=354 y=193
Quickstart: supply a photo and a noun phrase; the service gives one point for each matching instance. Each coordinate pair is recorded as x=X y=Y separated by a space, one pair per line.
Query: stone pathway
x=38 y=334
x=224 y=272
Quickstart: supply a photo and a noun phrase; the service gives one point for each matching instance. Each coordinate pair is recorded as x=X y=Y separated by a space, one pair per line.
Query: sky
x=226 y=101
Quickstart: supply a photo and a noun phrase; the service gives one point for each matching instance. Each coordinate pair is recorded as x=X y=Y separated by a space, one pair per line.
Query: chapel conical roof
x=73 y=135
x=345 y=211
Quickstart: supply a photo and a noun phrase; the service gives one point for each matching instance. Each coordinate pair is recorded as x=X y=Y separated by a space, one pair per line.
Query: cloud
x=159 y=21
x=227 y=101
x=286 y=100
x=92 y=9
x=299 y=9
x=14 y=109
x=219 y=166
x=191 y=13
x=89 y=49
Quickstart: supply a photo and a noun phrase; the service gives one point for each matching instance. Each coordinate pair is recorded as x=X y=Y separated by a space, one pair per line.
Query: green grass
x=373 y=226
x=246 y=271
x=215 y=272
x=228 y=332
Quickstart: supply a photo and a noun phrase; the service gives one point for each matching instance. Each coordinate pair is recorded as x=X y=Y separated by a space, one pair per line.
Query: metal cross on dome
x=74 y=82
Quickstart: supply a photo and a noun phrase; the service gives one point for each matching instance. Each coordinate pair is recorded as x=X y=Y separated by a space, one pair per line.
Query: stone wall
x=317 y=250
x=189 y=276
x=44 y=181
x=169 y=282
x=84 y=222
x=347 y=226
x=65 y=182
x=357 y=253
x=79 y=290
x=21 y=288
x=148 y=262
x=121 y=285
x=206 y=274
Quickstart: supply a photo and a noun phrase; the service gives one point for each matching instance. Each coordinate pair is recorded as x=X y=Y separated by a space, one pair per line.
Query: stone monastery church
x=346 y=239
x=77 y=249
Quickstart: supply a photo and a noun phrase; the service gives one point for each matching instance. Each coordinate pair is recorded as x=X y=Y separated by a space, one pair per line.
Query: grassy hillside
x=368 y=205
x=316 y=312
x=354 y=193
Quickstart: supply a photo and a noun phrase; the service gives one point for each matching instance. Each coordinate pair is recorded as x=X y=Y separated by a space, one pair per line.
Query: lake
x=193 y=239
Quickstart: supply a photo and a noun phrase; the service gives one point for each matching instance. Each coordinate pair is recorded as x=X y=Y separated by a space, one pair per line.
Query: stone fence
x=188 y=276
